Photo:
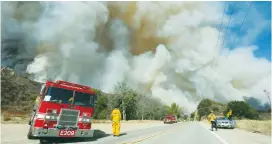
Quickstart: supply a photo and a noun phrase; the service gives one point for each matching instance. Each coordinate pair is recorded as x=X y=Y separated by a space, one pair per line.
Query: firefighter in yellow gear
x=116 y=118
x=229 y=113
x=212 y=120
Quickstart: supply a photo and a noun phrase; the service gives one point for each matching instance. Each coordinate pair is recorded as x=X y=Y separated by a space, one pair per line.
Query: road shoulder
x=237 y=136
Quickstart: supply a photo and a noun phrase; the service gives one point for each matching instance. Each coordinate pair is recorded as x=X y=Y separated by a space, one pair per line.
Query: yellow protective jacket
x=211 y=117
x=116 y=115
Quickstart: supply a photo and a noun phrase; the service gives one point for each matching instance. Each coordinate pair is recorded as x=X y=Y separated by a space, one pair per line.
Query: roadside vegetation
x=255 y=126
x=133 y=105
x=240 y=110
x=247 y=118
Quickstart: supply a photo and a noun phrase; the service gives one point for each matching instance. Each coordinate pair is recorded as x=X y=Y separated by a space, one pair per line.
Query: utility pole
x=268 y=96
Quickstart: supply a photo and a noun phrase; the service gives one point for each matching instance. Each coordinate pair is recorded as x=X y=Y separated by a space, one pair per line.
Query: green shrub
x=241 y=109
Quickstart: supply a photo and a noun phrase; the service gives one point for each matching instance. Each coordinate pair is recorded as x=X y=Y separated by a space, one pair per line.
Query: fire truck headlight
x=86 y=120
x=85 y=114
x=54 y=111
x=47 y=117
x=54 y=117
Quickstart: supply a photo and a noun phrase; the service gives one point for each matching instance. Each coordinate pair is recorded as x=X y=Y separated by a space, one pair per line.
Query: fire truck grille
x=68 y=117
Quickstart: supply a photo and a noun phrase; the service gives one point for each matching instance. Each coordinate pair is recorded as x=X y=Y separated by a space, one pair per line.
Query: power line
x=221 y=24
x=211 y=61
x=242 y=23
x=233 y=6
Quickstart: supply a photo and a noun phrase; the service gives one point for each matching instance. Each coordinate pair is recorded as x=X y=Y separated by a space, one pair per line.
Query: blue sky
x=264 y=38
x=256 y=29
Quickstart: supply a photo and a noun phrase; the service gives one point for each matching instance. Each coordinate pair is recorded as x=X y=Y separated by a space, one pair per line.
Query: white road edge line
x=217 y=136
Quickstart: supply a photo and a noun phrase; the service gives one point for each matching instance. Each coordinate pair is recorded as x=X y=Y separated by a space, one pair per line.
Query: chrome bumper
x=40 y=132
x=225 y=125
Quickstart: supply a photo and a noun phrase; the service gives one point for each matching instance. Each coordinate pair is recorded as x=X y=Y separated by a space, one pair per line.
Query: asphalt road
x=188 y=133
x=179 y=133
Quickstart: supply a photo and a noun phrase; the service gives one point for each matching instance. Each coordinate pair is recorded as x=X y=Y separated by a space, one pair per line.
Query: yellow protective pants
x=116 y=128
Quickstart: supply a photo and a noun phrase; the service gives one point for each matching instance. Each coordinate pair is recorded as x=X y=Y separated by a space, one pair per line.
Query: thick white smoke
x=166 y=49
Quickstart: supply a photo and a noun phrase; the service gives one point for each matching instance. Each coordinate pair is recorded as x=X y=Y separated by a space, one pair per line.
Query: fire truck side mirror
x=42 y=89
x=95 y=99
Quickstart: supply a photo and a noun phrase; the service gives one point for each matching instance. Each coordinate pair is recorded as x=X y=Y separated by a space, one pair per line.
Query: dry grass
x=14 y=117
x=255 y=126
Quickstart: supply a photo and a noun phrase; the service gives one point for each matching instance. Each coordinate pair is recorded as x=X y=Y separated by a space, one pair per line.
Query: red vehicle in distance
x=63 y=109
x=171 y=118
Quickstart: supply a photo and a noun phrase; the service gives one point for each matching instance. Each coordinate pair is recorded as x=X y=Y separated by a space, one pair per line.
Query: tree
x=130 y=105
x=127 y=97
x=145 y=106
x=175 y=109
x=185 y=117
x=204 y=107
x=156 y=108
x=242 y=109
x=142 y=106
x=192 y=115
x=113 y=102
x=101 y=106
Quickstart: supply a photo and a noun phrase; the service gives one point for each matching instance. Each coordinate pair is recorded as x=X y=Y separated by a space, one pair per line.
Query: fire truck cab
x=63 y=109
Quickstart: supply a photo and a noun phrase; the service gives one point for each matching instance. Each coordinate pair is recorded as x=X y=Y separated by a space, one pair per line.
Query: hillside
x=17 y=93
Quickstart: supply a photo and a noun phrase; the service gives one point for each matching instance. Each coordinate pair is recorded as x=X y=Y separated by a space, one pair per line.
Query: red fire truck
x=63 y=109
x=171 y=118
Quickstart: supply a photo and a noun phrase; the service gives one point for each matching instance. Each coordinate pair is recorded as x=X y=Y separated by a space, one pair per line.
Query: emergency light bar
x=60 y=82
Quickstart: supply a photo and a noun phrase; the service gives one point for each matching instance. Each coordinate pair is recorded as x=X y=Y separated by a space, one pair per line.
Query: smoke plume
x=165 y=49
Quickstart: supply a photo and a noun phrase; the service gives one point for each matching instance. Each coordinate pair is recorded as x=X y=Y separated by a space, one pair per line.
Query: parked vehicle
x=223 y=122
x=62 y=109
x=171 y=118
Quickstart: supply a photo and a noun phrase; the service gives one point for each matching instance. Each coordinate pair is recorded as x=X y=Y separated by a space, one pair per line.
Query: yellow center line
x=140 y=140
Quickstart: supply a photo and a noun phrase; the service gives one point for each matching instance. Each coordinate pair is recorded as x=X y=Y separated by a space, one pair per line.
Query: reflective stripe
x=40 y=116
x=81 y=118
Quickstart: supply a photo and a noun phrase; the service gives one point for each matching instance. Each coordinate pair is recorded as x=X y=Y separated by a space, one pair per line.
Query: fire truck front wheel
x=31 y=118
x=29 y=134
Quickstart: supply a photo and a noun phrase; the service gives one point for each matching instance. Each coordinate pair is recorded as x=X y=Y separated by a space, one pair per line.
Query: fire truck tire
x=43 y=141
x=31 y=118
x=29 y=134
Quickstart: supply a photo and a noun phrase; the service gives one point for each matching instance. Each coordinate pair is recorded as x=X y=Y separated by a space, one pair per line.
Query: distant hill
x=17 y=92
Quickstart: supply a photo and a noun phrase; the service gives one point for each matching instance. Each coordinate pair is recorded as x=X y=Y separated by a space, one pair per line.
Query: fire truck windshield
x=83 y=99
x=65 y=96
x=58 y=95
